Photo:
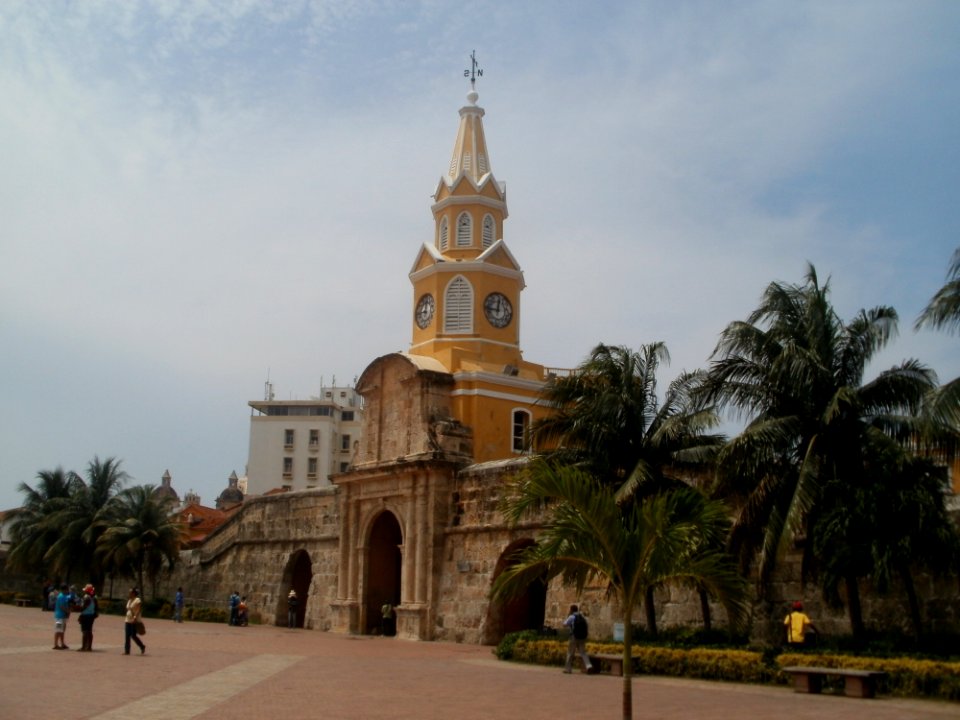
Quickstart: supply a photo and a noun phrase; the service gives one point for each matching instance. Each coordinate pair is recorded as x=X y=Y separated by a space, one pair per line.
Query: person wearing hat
x=292 y=602
x=798 y=625
x=89 y=611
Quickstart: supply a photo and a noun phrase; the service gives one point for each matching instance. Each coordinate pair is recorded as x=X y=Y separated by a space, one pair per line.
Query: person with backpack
x=579 y=630
x=89 y=611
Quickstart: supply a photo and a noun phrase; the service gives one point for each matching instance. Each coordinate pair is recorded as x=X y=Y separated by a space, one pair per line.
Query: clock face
x=424 y=311
x=498 y=310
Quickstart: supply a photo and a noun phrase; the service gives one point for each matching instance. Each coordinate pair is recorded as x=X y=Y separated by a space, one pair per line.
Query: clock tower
x=466 y=298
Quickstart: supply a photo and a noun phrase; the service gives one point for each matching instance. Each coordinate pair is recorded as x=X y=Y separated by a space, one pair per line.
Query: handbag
x=141 y=628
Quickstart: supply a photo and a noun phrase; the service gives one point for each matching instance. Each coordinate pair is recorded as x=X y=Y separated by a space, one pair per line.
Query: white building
x=299 y=444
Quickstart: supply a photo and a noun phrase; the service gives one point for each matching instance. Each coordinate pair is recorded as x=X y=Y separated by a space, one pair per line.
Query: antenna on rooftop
x=268 y=388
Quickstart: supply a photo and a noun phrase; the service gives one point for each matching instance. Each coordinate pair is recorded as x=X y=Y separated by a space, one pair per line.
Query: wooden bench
x=24 y=602
x=611 y=664
x=856 y=683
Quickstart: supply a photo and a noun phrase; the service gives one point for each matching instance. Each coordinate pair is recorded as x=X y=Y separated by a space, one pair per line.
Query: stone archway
x=524 y=612
x=297 y=575
x=382 y=582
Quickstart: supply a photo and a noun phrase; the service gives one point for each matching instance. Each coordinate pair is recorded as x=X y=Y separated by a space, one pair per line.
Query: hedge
x=906 y=677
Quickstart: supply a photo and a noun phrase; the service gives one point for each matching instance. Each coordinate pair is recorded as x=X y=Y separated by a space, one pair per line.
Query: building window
x=458 y=306
x=345 y=443
x=521 y=424
x=347 y=416
x=344 y=466
x=444 y=234
x=287 y=467
x=288 y=438
x=314 y=439
x=464 y=230
x=489 y=230
x=311 y=467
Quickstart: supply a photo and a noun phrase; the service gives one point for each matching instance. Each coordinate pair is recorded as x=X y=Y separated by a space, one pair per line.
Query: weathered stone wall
x=252 y=554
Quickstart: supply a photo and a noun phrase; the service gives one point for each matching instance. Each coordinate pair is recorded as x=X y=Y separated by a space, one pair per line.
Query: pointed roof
x=470 y=149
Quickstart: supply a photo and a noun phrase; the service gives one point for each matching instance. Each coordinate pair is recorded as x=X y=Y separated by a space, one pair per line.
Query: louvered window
x=464 y=230
x=458 y=306
x=488 y=230
x=521 y=425
x=466 y=162
x=444 y=235
x=482 y=162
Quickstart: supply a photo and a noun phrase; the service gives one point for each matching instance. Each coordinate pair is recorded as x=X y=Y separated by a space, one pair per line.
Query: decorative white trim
x=460 y=340
x=497 y=378
x=493 y=394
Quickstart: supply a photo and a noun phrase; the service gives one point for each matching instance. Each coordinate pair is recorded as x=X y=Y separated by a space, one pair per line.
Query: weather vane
x=474 y=72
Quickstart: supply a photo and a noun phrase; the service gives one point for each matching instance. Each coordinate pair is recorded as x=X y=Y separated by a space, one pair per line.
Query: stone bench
x=24 y=602
x=856 y=683
x=612 y=663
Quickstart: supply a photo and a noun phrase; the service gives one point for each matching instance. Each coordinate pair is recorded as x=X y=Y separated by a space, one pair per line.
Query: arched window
x=464 y=230
x=444 y=234
x=489 y=229
x=458 y=306
x=520 y=426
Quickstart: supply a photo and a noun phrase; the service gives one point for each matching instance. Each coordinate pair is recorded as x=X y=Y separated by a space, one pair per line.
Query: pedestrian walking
x=134 y=610
x=579 y=630
x=178 y=606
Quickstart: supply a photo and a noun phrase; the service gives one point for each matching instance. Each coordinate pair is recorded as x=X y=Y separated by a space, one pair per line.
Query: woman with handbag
x=134 y=608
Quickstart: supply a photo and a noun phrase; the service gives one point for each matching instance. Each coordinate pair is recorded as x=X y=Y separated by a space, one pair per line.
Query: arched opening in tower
x=382 y=586
x=297 y=576
x=524 y=612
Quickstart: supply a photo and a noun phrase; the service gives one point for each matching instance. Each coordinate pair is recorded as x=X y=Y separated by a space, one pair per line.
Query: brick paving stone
x=216 y=672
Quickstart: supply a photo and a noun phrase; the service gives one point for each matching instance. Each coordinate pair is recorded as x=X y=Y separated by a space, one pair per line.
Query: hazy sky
x=194 y=194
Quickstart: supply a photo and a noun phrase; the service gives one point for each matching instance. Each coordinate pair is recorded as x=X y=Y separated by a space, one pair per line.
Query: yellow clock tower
x=466 y=299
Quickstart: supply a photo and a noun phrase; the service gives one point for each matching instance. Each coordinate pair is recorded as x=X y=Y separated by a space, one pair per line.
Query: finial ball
x=472 y=97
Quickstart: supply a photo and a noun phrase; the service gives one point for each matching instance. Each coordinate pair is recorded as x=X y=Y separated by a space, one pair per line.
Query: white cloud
x=193 y=193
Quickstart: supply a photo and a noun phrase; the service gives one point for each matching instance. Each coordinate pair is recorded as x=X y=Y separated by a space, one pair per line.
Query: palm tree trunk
x=651 y=611
x=705 y=609
x=627 y=659
x=911 y=590
x=854 y=609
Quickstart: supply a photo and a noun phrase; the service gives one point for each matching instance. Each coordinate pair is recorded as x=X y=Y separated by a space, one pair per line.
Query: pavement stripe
x=196 y=696
x=43 y=648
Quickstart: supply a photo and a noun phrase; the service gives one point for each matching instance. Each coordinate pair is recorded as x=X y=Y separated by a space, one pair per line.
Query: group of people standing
x=87 y=606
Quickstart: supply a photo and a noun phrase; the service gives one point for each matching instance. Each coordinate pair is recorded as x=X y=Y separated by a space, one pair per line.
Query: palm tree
x=795 y=370
x=943 y=313
x=139 y=535
x=589 y=536
x=886 y=526
x=32 y=532
x=610 y=422
x=77 y=518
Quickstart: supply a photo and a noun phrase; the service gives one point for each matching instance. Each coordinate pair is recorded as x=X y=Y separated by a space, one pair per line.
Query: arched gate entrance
x=382 y=583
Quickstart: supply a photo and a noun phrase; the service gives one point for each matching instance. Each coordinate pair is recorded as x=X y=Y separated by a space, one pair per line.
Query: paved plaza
x=216 y=672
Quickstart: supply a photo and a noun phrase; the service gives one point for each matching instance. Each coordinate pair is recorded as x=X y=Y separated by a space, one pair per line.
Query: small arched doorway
x=524 y=612
x=383 y=571
x=297 y=576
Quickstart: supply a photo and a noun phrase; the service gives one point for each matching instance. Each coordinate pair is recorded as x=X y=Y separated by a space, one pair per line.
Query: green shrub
x=504 y=651
x=907 y=677
x=207 y=615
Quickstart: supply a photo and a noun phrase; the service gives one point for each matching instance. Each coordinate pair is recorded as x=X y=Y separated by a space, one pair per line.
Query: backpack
x=580 y=627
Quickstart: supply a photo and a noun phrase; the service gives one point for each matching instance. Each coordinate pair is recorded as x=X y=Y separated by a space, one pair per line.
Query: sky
x=196 y=196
